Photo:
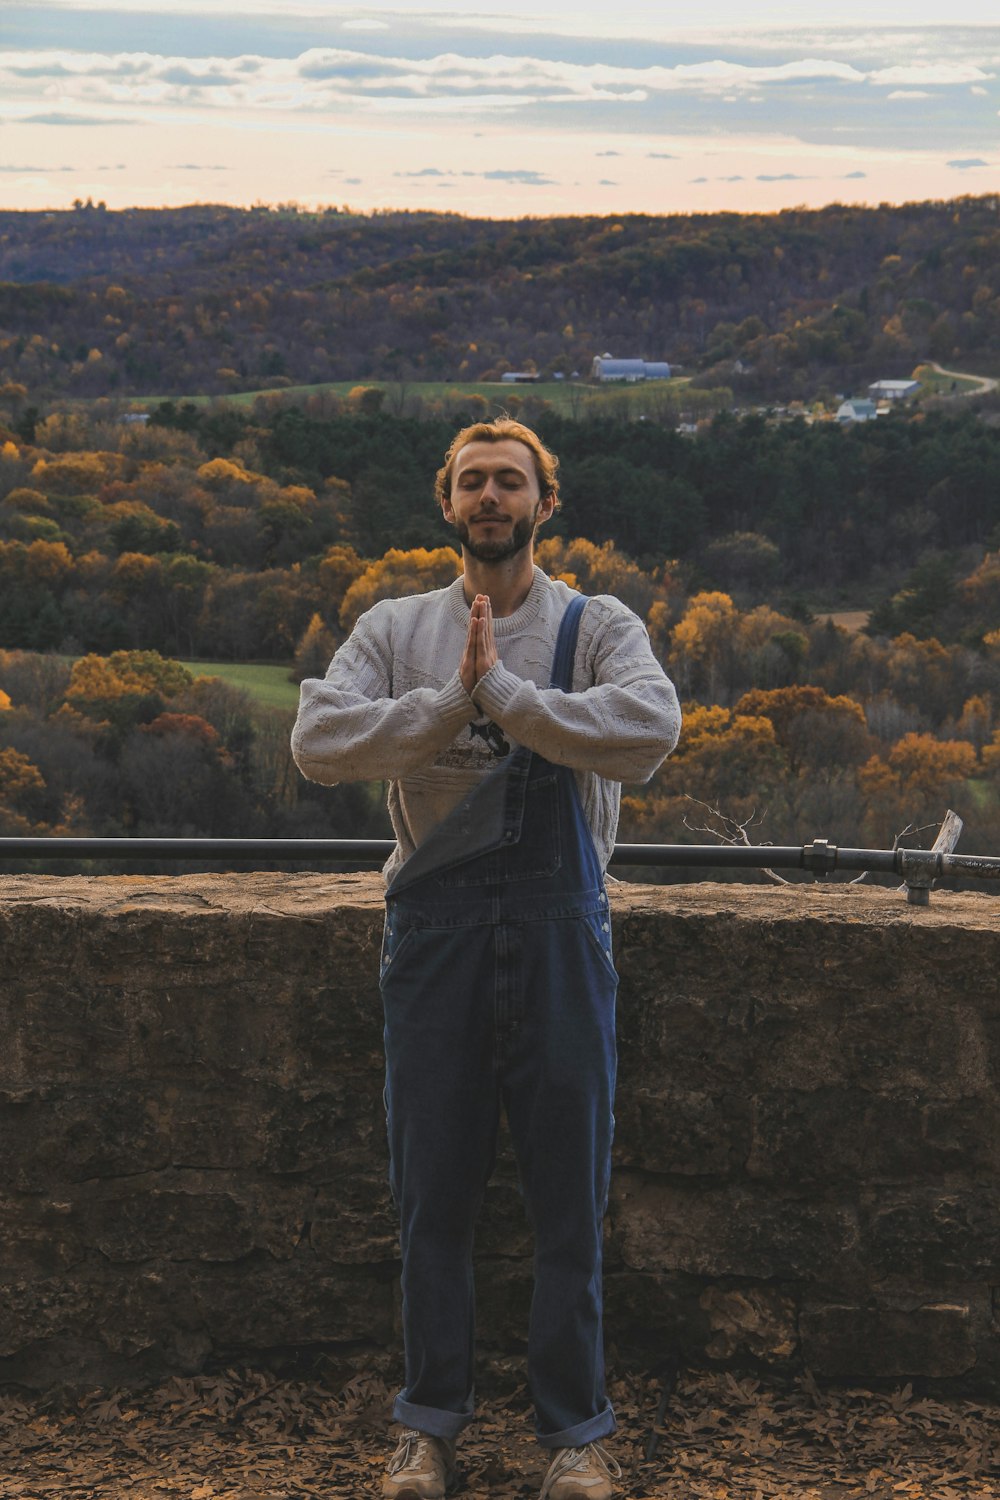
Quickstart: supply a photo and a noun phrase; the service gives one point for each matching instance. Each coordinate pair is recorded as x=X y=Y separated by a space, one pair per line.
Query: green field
x=944 y=385
x=568 y=396
x=267 y=685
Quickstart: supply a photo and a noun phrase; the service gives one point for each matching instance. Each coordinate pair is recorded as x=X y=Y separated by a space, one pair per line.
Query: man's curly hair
x=546 y=463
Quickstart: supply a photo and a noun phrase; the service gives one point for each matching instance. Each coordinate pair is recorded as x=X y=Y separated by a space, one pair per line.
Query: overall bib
x=499 y=990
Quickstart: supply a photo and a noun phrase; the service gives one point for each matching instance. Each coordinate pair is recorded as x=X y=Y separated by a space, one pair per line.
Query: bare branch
x=731 y=832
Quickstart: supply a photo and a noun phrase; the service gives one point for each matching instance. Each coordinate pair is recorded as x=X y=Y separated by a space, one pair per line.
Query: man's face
x=495 y=503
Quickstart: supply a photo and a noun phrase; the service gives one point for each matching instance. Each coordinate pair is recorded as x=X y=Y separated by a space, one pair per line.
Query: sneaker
x=580 y=1474
x=422 y=1467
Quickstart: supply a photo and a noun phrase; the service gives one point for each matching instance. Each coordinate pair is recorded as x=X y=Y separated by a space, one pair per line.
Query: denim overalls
x=499 y=988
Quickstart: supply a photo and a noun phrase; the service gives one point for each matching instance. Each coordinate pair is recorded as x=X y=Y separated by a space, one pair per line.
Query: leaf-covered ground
x=250 y=1434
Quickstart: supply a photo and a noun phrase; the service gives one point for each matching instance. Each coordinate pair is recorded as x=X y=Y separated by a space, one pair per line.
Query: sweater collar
x=510 y=624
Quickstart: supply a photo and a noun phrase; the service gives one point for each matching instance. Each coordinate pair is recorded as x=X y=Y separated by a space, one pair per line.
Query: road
x=984 y=383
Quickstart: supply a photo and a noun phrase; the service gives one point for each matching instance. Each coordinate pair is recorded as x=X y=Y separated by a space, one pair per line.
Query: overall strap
x=569 y=629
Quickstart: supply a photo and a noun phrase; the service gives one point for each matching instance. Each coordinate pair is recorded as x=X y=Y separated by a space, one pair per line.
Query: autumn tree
x=396 y=574
x=817 y=733
x=21 y=787
x=314 y=650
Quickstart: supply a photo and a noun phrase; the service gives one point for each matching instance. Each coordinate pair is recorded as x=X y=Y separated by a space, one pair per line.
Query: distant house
x=605 y=367
x=893 y=390
x=857 y=411
x=518 y=377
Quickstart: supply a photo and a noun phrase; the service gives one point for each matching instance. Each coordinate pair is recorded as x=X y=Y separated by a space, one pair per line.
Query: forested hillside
x=224 y=532
x=260 y=530
x=220 y=532
x=214 y=299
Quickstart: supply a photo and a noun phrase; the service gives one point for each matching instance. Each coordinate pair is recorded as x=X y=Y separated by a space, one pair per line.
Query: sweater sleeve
x=621 y=728
x=350 y=728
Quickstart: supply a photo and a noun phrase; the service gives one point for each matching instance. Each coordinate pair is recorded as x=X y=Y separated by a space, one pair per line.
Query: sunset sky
x=599 y=106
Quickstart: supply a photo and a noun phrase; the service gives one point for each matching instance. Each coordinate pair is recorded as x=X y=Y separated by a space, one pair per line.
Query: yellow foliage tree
x=220 y=473
x=114 y=688
x=702 y=641
x=21 y=783
x=314 y=650
x=599 y=570
x=723 y=754
x=399 y=573
x=338 y=569
x=76 y=473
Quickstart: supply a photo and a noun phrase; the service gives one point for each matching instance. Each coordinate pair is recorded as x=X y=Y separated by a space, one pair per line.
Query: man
x=504 y=769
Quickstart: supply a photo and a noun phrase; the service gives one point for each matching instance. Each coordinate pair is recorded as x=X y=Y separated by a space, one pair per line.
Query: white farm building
x=893 y=390
x=605 y=367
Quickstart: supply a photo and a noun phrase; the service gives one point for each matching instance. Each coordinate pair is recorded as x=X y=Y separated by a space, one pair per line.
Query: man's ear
x=546 y=506
x=446 y=509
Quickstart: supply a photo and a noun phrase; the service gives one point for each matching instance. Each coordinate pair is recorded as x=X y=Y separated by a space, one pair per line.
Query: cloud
x=193 y=78
x=360 y=25
x=527 y=177
x=325 y=78
x=523 y=175
x=42 y=70
x=737 y=178
x=782 y=177
x=818 y=81
x=34 y=171
x=849 y=176
x=354 y=181
x=909 y=94
x=924 y=75
x=606 y=182
x=964 y=163
x=193 y=166
x=59 y=118
x=698 y=179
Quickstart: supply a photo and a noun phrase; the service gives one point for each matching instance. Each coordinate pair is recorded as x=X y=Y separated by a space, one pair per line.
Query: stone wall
x=192 y=1157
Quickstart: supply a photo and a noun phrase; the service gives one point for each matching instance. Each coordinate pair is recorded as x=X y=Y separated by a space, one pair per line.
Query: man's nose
x=490 y=491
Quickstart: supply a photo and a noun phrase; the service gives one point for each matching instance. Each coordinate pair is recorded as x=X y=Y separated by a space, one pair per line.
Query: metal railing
x=918 y=868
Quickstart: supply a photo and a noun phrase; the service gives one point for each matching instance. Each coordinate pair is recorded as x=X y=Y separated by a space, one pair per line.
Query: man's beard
x=502 y=548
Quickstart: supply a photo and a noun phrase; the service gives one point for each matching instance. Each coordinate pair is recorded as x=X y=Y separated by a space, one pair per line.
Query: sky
x=595 y=106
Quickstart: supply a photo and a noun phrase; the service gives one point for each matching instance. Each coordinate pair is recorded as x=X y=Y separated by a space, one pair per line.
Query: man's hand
x=480 y=648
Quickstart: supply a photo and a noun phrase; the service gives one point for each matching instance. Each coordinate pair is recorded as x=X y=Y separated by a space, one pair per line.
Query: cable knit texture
x=392 y=706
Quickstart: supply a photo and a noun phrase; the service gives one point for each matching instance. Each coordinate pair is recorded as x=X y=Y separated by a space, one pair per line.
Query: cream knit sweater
x=392 y=707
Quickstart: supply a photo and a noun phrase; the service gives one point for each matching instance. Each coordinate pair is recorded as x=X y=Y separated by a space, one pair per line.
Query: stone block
x=39 y=1238
x=837 y=1135
x=674 y=1129
x=680 y=1038
x=934 y=1045
x=846 y=1341
x=353 y=1221
x=936 y=1235
x=315 y=1129
x=659 y=1225
x=193 y=1216
x=653 y=1316
x=262 y=1304
x=756 y=1320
